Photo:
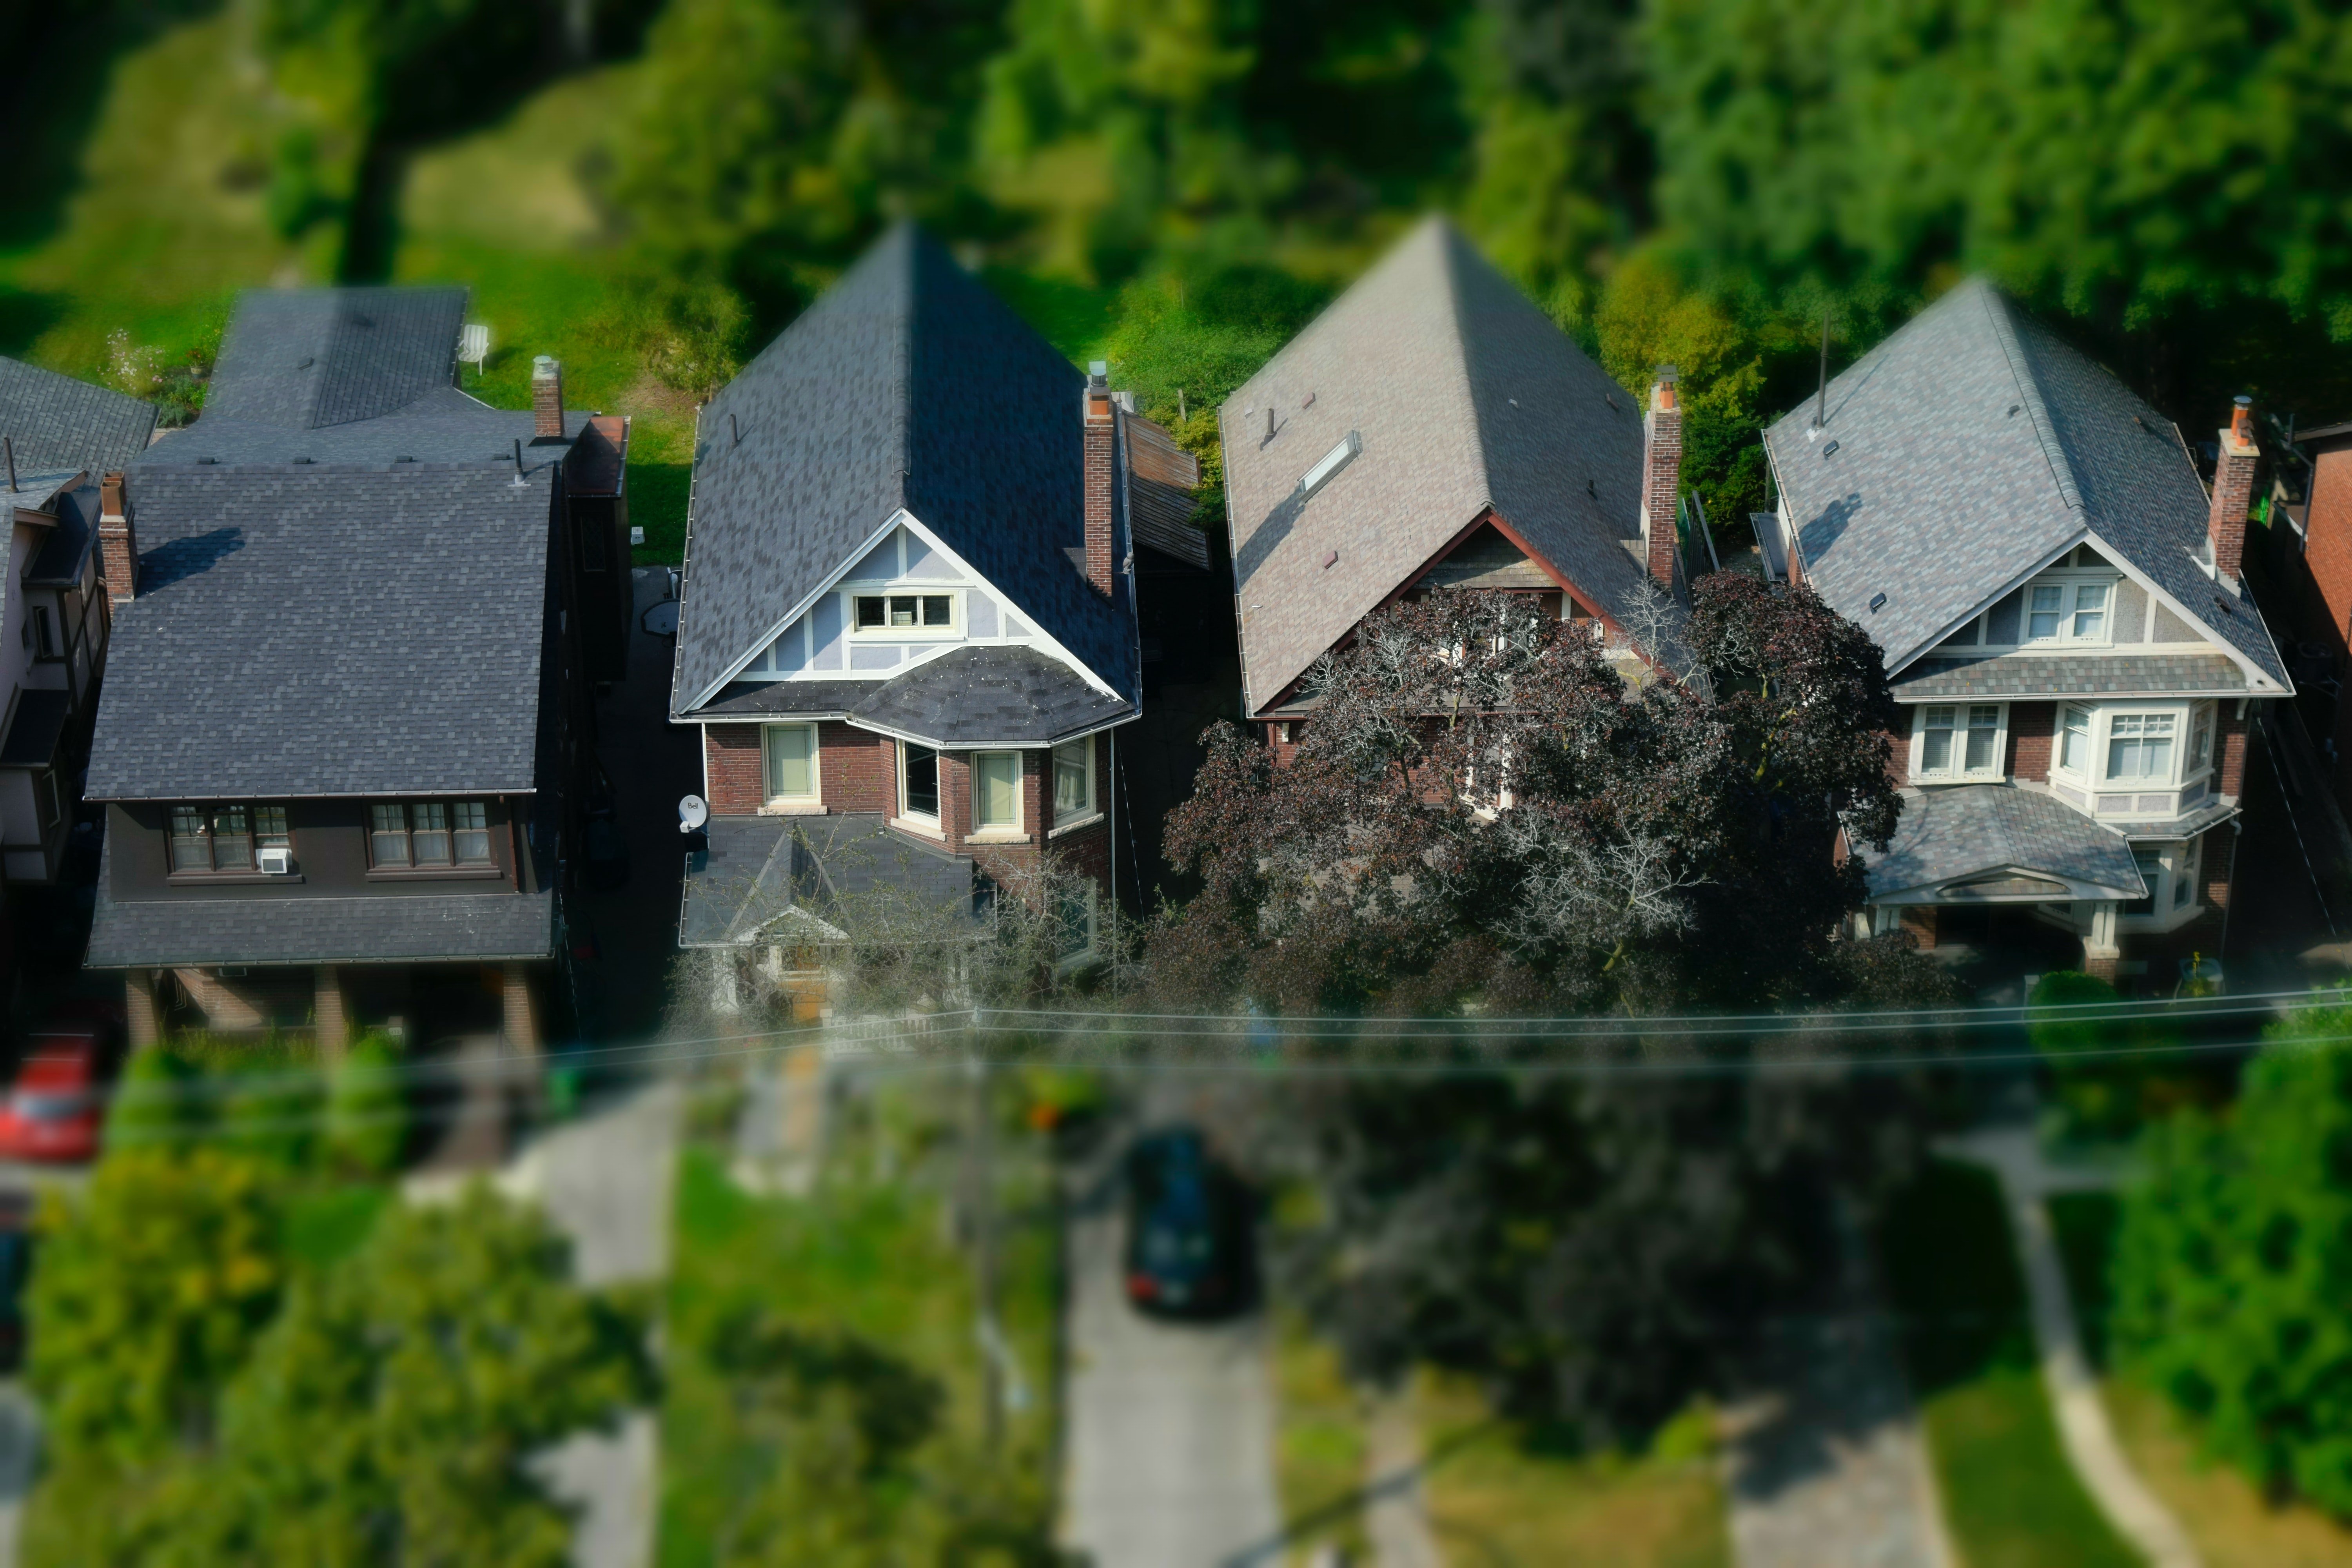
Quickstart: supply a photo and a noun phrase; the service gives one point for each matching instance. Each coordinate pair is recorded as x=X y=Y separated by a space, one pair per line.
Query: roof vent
x=305 y=363
x=207 y=459
x=1829 y=450
x=2014 y=408
x=1877 y=602
x=1331 y=560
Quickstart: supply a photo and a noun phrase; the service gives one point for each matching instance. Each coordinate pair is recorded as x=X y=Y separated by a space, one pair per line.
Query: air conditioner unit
x=278 y=862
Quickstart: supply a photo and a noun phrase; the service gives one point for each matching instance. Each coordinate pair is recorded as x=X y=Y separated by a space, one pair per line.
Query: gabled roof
x=760 y=870
x=907 y=386
x=303 y=358
x=57 y=423
x=1466 y=397
x=1160 y=478
x=321 y=630
x=1970 y=449
x=1957 y=835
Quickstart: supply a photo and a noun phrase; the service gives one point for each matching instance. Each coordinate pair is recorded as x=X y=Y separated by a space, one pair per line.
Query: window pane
x=2151 y=871
x=1936 y=756
x=473 y=832
x=902 y=612
x=2091 y=610
x=996 y=785
x=937 y=610
x=189 y=851
x=792 y=762
x=2123 y=758
x=270 y=827
x=921 y=780
x=1073 y=786
x=2042 y=619
x=232 y=839
x=2074 y=746
x=430 y=841
x=1984 y=729
x=869 y=611
x=388 y=834
x=1078 y=922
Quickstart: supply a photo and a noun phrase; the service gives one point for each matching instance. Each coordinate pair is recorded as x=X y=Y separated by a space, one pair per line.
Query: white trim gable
x=940 y=573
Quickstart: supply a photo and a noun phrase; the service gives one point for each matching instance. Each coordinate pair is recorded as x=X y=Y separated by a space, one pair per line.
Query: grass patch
x=2009 y=1494
x=1498 y=1493
x=868 y=1256
x=2226 y=1517
x=2085 y=1225
x=1318 y=1443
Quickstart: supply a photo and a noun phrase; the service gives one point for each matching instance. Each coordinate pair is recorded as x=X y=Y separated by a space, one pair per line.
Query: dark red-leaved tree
x=1485 y=814
x=1483 y=807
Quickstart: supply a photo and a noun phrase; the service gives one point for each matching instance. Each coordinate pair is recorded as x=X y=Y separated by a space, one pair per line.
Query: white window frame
x=1093 y=810
x=1015 y=831
x=2173 y=891
x=931 y=827
x=2069 y=581
x=1961 y=713
x=769 y=801
x=2084 y=772
x=2185 y=768
x=951 y=632
x=2107 y=778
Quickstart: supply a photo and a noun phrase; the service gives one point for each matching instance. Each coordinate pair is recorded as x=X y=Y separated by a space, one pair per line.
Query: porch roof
x=1978 y=842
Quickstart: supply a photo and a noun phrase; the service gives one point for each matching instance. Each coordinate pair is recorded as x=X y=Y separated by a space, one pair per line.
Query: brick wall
x=2230 y=742
x=730 y=760
x=1898 y=755
x=2030 y=727
x=2233 y=495
x=857 y=770
x=1099 y=426
x=2328 y=549
x=1662 y=478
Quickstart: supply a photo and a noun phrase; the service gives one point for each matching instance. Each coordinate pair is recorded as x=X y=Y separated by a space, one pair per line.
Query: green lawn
x=869 y=1256
x=2009 y=1492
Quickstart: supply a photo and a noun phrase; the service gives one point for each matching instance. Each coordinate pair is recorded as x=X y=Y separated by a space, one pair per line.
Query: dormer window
x=2067 y=612
x=226 y=839
x=902 y=613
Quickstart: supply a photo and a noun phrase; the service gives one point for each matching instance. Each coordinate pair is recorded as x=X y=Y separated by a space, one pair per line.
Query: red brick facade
x=1661 y=471
x=2234 y=491
x=2029 y=728
x=1101 y=435
x=117 y=545
x=857 y=772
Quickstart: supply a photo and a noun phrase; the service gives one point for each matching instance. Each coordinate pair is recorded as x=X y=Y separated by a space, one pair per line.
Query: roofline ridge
x=1998 y=305
x=1451 y=245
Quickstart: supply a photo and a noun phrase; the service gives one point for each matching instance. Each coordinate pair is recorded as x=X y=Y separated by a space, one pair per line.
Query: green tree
x=367 y=1107
x=394 y=1409
x=156 y=1103
x=2127 y=159
x=2233 y=1265
x=2103 y=1088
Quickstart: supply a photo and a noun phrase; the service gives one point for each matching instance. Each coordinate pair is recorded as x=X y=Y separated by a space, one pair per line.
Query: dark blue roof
x=908 y=384
x=59 y=425
x=303 y=358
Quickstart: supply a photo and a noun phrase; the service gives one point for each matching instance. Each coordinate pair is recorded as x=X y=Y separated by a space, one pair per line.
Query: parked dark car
x=1190 y=1250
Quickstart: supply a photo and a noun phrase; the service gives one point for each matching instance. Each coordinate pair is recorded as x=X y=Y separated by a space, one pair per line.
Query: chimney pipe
x=547 y=397
x=1662 y=478
x=2233 y=492
x=118 y=546
x=1101 y=421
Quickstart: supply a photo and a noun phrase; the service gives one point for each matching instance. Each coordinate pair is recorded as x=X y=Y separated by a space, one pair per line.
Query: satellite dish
x=692 y=813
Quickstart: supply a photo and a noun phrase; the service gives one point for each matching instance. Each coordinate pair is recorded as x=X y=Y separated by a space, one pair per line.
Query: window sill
x=793 y=808
x=997 y=836
x=1933 y=780
x=915 y=824
x=437 y=874
x=1074 y=824
x=228 y=878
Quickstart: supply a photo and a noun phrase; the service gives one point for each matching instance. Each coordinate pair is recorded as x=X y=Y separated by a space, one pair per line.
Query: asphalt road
x=1171 y=1426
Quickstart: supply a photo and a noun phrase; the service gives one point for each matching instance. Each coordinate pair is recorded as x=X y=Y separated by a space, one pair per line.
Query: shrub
x=367 y=1107
x=2100 y=1092
x=157 y=1102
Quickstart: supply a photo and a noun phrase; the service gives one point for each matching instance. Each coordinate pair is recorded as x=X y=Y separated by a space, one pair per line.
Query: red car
x=52 y=1110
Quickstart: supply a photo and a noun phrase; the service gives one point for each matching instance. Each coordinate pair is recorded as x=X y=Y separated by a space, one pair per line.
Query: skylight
x=1333 y=461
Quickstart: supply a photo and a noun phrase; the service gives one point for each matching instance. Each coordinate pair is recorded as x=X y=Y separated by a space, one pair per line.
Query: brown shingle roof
x=1466 y=398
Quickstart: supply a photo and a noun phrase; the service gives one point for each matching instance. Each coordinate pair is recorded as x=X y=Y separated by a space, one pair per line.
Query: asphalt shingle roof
x=319 y=630
x=1975 y=829
x=2106 y=675
x=447 y=427
x=57 y=423
x=162 y=933
x=1966 y=452
x=907 y=384
x=1466 y=396
x=67 y=548
x=303 y=358
x=984 y=696
x=758 y=868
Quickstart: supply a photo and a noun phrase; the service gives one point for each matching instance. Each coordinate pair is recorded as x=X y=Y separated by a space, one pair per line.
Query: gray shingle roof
x=320 y=630
x=480 y=926
x=761 y=867
x=303 y=359
x=1967 y=451
x=983 y=696
x=57 y=423
x=1974 y=828
x=906 y=385
x=1467 y=396
x=67 y=548
x=2116 y=675
x=447 y=427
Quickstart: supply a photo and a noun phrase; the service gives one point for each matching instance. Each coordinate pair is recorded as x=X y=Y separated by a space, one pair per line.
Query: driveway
x=1171 y=1426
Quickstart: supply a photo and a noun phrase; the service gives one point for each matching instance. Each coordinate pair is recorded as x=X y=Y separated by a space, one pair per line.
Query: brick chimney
x=118 y=547
x=547 y=396
x=1101 y=426
x=2234 y=491
x=1661 y=476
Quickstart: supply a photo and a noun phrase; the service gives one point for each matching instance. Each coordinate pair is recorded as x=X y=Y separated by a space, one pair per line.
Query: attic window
x=906 y=611
x=1333 y=461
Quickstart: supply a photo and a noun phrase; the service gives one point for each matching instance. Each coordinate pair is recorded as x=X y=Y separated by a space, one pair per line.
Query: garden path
x=2012 y=1151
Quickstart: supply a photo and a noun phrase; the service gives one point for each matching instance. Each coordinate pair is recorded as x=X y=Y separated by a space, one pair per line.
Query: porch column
x=139 y=1007
x=520 y=1025
x=2099 y=950
x=334 y=1020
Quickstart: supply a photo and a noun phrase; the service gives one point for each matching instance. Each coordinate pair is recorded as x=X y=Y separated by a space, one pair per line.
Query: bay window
x=918 y=780
x=788 y=763
x=2074 y=741
x=2170 y=871
x=996 y=791
x=1073 y=779
x=2140 y=747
